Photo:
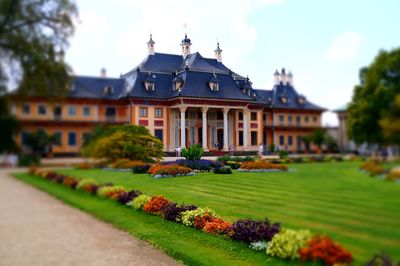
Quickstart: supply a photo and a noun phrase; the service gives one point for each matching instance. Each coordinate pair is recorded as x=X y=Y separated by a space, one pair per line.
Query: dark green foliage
x=33 y=35
x=283 y=154
x=127 y=141
x=28 y=160
x=8 y=123
x=271 y=148
x=140 y=169
x=223 y=170
x=40 y=142
x=194 y=152
x=228 y=158
x=373 y=97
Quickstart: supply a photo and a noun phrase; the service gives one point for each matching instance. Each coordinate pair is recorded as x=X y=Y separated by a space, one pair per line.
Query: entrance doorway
x=220 y=138
x=200 y=135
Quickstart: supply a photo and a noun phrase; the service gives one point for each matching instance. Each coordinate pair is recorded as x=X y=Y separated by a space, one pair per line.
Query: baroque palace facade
x=183 y=100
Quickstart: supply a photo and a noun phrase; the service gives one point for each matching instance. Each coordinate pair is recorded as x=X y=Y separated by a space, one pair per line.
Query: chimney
x=283 y=76
x=103 y=73
x=290 y=79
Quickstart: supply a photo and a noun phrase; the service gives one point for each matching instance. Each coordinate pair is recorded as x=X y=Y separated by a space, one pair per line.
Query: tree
x=8 y=124
x=372 y=98
x=391 y=124
x=41 y=143
x=318 y=137
x=130 y=142
x=33 y=35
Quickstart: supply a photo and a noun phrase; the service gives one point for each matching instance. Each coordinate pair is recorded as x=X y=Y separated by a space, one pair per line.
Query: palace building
x=183 y=100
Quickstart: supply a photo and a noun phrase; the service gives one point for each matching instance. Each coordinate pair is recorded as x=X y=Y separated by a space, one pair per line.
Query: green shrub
x=233 y=165
x=271 y=148
x=283 y=154
x=287 y=243
x=28 y=160
x=187 y=218
x=194 y=152
x=140 y=169
x=223 y=170
x=139 y=202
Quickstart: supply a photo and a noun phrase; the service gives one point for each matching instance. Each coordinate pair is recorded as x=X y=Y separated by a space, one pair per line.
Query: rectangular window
x=315 y=119
x=264 y=117
x=26 y=109
x=111 y=113
x=24 y=137
x=306 y=119
x=71 y=110
x=290 y=141
x=158 y=112
x=298 y=120
x=42 y=110
x=158 y=133
x=71 y=138
x=57 y=112
x=240 y=116
x=240 y=138
x=143 y=111
x=281 y=140
x=86 y=111
x=253 y=138
x=58 y=138
x=289 y=119
x=281 y=118
x=253 y=116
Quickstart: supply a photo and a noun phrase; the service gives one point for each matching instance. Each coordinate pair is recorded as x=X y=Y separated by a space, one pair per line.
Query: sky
x=323 y=43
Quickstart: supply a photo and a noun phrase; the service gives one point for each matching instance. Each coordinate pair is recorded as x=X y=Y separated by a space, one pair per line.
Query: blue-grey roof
x=195 y=72
x=94 y=87
x=294 y=100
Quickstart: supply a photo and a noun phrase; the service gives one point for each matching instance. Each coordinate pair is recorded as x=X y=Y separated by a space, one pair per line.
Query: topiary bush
x=194 y=152
x=224 y=170
x=138 y=202
x=188 y=217
x=283 y=154
x=287 y=243
x=250 y=231
x=323 y=249
x=140 y=169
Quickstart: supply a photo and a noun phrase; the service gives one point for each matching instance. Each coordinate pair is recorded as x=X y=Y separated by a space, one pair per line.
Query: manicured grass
x=360 y=212
x=185 y=244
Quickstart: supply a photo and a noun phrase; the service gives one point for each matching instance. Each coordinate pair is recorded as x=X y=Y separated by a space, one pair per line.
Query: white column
x=226 y=110
x=183 y=126
x=245 y=127
x=204 y=129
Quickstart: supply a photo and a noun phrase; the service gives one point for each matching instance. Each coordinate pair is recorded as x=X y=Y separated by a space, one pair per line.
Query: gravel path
x=36 y=229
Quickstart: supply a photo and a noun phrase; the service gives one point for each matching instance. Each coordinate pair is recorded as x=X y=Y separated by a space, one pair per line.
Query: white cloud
x=207 y=20
x=345 y=47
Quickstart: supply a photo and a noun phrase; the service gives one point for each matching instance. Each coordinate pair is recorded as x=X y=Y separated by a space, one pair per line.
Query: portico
x=207 y=125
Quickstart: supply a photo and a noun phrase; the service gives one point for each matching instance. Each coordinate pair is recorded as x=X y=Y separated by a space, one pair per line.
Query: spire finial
x=218 y=52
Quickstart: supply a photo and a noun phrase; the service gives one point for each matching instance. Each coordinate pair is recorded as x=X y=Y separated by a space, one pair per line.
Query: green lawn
x=361 y=212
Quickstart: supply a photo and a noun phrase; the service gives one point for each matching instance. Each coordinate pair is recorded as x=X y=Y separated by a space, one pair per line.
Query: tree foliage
x=33 y=35
x=372 y=98
x=8 y=124
x=116 y=142
x=40 y=142
x=391 y=123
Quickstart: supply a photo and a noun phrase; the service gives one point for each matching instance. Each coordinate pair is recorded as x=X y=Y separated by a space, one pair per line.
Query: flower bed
x=163 y=171
x=200 y=165
x=394 y=174
x=261 y=235
x=261 y=166
x=372 y=167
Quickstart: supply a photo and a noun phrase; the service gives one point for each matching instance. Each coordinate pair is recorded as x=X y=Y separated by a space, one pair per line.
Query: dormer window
x=284 y=99
x=177 y=84
x=301 y=100
x=108 y=90
x=149 y=83
x=214 y=83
